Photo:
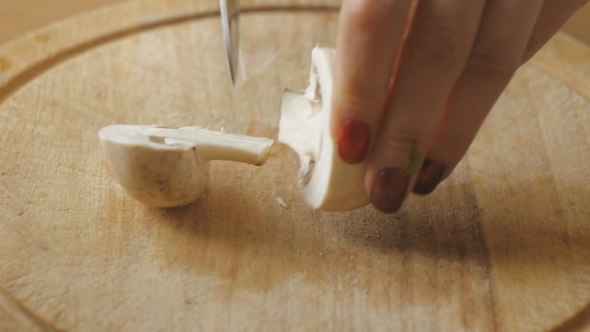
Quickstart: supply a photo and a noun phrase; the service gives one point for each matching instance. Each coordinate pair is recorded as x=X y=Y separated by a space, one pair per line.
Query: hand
x=412 y=112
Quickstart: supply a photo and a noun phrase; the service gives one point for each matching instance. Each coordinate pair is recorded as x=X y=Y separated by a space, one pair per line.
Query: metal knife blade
x=231 y=34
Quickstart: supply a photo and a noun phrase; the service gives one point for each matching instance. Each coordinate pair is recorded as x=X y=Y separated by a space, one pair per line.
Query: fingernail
x=429 y=177
x=389 y=190
x=353 y=141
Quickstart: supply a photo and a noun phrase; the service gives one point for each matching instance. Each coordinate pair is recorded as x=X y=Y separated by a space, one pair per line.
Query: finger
x=369 y=34
x=437 y=48
x=500 y=44
x=554 y=14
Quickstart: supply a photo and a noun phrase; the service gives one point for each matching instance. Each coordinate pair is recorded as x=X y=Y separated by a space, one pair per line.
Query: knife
x=231 y=35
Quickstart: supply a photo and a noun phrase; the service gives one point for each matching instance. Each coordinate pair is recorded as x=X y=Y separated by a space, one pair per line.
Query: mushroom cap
x=153 y=170
x=325 y=181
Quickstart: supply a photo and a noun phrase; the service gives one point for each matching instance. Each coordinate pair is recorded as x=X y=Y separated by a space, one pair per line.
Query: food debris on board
x=282 y=203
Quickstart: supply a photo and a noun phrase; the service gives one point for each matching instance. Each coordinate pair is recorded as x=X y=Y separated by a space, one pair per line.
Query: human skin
x=414 y=81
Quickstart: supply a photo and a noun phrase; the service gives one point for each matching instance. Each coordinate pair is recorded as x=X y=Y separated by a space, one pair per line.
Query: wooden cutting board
x=503 y=245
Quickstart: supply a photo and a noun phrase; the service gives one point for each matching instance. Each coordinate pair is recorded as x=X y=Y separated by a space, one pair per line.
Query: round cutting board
x=504 y=244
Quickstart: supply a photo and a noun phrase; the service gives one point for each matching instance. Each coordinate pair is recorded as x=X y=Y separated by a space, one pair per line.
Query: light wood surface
x=18 y=17
x=579 y=25
x=503 y=245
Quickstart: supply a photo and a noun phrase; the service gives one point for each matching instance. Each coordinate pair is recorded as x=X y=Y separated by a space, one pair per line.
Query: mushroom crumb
x=282 y=203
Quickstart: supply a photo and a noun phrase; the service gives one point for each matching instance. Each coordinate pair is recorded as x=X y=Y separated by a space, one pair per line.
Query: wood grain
x=501 y=246
x=578 y=26
x=18 y=17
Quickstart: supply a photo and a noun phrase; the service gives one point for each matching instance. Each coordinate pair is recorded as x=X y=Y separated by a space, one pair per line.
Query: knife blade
x=231 y=34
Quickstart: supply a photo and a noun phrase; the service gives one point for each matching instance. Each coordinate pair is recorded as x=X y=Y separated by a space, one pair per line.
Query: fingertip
x=354 y=139
x=429 y=177
x=389 y=189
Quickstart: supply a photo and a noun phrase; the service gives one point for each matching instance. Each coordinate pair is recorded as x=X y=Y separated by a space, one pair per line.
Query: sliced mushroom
x=168 y=167
x=325 y=181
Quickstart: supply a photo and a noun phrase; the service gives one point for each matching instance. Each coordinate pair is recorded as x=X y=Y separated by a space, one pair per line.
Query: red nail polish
x=429 y=177
x=389 y=190
x=353 y=141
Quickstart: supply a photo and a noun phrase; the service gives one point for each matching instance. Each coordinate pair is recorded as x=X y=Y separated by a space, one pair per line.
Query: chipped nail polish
x=354 y=138
x=429 y=177
x=389 y=190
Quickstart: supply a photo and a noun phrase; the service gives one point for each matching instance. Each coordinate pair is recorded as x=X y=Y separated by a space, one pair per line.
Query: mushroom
x=169 y=167
x=324 y=180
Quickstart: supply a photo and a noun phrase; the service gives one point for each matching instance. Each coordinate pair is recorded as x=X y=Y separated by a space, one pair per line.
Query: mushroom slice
x=168 y=167
x=325 y=181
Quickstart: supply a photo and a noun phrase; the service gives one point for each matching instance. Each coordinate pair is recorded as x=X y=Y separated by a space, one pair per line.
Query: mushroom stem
x=214 y=145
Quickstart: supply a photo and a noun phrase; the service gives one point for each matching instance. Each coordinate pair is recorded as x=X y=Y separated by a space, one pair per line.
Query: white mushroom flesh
x=325 y=181
x=166 y=167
